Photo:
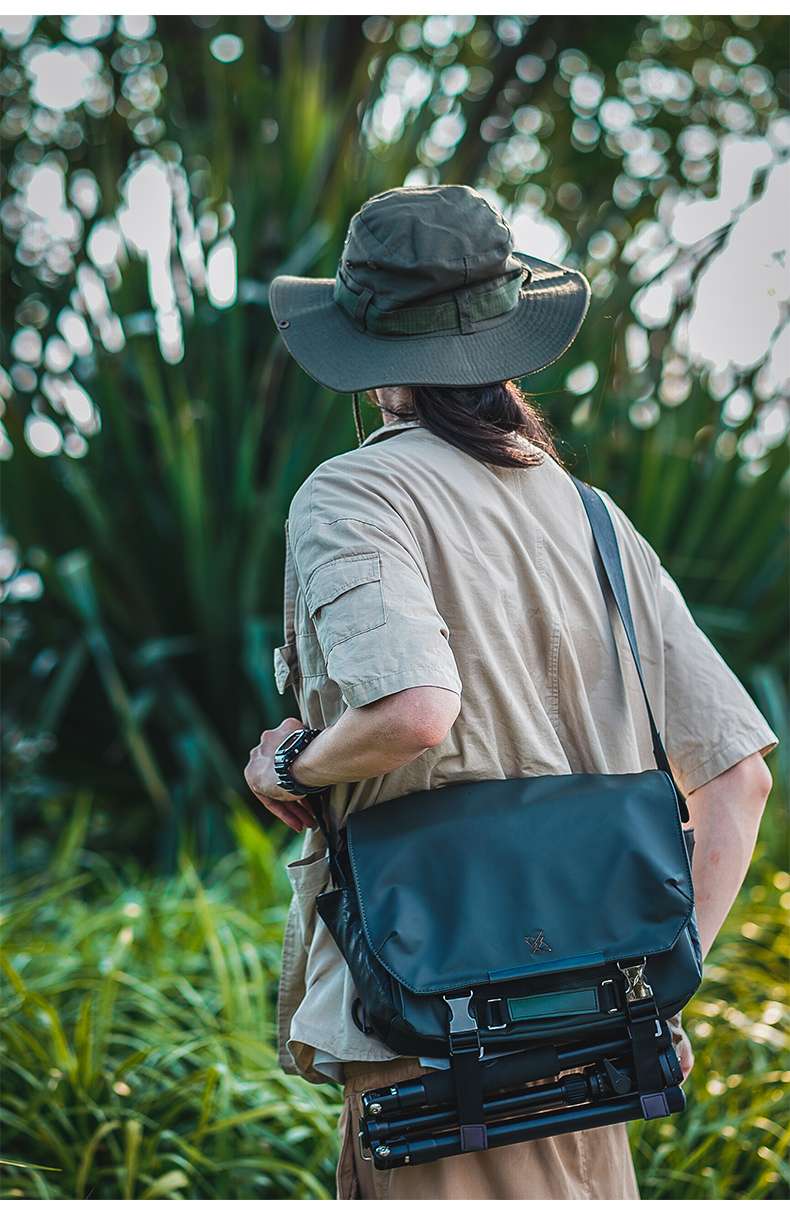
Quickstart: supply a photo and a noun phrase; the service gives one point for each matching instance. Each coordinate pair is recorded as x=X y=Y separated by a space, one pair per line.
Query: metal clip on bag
x=521 y=927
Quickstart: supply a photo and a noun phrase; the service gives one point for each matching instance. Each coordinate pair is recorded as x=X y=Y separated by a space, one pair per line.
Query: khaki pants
x=594 y=1165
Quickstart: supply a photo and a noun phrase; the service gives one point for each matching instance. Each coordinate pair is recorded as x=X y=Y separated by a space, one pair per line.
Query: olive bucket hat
x=429 y=291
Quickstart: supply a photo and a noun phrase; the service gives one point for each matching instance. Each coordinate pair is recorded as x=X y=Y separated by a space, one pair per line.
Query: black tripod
x=418 y=1121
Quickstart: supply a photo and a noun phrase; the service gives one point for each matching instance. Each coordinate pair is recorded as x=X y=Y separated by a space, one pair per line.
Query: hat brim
x=324 y=340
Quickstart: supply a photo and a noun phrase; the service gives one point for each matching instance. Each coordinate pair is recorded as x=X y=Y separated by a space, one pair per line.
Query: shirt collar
x=390 y=429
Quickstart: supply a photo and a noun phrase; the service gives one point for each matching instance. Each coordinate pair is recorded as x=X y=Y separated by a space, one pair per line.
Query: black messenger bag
x=521 y=928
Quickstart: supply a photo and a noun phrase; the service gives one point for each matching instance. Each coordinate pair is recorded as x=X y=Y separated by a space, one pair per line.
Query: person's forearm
x=375 y=739
x=356 y=747
x=725 y=815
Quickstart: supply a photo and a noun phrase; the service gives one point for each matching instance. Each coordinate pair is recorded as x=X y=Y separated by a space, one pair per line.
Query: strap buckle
x=491 y=1013
x=611 y=998
x=464 y=1030
x=636 y=987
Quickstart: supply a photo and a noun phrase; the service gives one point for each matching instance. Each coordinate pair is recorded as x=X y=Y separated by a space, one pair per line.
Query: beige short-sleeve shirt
x=410 y=563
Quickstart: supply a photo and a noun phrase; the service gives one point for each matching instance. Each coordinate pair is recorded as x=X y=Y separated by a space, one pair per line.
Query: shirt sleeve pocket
x=344 y=598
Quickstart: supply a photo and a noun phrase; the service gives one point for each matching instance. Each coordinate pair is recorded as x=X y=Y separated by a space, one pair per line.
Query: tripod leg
x=571 y=1089
x=436 y=1089
x=527 y=1129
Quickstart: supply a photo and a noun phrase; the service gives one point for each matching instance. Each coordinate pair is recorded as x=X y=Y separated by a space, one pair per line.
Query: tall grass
x=137 y=1037
x=138 y=1052
x=731 y=1142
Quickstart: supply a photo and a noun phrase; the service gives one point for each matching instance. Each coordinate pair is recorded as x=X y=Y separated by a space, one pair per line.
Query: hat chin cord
x=358 y=424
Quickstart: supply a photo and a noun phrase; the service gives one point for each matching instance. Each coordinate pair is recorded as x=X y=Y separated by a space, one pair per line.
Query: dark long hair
x=487 y=421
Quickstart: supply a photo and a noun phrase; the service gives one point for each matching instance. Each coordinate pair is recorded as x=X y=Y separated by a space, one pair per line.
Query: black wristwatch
x=286 y=753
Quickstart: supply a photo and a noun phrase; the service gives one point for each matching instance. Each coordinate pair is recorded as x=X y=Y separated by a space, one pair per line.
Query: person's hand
x=682 y=1046
x=261 y=778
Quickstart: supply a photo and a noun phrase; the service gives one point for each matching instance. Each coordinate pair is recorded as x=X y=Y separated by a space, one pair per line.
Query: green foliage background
x=138 y=1059
x=142 y=564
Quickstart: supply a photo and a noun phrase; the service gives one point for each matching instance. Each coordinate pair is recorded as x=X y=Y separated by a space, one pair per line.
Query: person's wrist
x=304 y=774
x=286 y=755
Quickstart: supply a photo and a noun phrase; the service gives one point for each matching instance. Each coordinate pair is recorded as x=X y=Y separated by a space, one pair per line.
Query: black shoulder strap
x=320 y=806
x=609 y=553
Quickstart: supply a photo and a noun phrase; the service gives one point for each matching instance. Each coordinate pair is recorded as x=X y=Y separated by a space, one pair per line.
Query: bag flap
x=493 y=881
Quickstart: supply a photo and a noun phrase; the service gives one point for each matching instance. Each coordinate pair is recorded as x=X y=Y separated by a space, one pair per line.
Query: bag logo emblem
x=537 y=942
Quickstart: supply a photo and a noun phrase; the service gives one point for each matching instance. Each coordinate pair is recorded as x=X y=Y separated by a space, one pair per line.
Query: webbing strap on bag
x=467 y=1069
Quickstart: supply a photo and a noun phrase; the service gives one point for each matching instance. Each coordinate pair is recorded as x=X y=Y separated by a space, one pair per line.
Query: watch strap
x=285 y=755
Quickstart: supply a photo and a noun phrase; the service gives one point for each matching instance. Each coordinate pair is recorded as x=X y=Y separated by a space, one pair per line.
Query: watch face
x=289 y=740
